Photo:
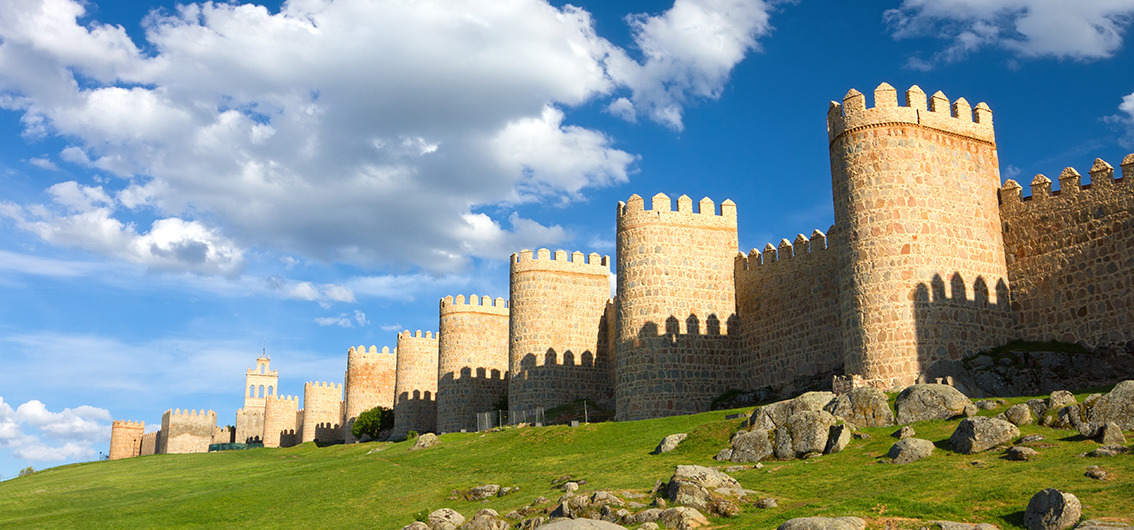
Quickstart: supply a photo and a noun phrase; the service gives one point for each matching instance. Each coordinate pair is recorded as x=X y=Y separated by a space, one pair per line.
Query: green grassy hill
x=382 y=485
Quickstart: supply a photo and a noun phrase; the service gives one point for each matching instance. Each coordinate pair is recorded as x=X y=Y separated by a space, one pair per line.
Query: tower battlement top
x=543 y=259
x=476 y=304
x=934 y=112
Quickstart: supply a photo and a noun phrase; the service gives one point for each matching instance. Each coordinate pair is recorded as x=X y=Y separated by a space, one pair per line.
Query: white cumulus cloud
x=371 y=132
x=1083 y=30
x=78 y=430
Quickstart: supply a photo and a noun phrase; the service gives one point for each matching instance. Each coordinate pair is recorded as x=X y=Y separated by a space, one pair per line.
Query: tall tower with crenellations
x=676 y=306
x=368 y=383
x=472 y=359
x=559 y=348
x=126 y=438
x=915 y=192
x=322 y=412
x=259 y=383
x=415 y=391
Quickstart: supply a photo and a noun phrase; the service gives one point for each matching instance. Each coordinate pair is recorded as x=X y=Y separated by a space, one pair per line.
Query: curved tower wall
x=915 y=191
x=126 y=439
x=472 y=359
x=676 y=307
x=558 y=347
x=279 y=420
x=368 y=383
x=415 y=391
x=322 y=412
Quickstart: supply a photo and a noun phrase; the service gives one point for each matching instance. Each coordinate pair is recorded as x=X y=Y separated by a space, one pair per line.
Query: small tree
x=373 y=421
x=27 y=471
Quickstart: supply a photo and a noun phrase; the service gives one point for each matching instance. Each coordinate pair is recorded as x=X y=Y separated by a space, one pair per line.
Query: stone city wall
x=1070 y=255
x=280 y=421
x=915 y=195
x=676 y=307
x=368 y=383
x=787 y=301
x=150 y=443
x=322 y=412
x=186 y=432
x=126 y=439
x=415 y=391
x=224 y=435
x=250 y=424
x=472 y=359
x=558 y=347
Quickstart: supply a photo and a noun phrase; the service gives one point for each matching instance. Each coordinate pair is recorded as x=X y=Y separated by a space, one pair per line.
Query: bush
x=411 y=435
x=27 y=471
x=373 y=421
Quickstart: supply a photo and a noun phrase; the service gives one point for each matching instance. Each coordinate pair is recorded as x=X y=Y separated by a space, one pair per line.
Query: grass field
x=383 y=486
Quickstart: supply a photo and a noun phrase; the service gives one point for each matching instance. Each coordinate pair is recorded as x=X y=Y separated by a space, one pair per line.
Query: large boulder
x=1052 y=509
x=804 y=432
x=750 y=446
x=683 y=518
x=580 y=524
x=1019 y=414
x=486 y=519
x=426 y=440
x=1116 y=406
x=445 y=519
x=864 y=407
x=823 y=523
x=670 y=442
x=910 y=450
x=691 y=486
x=982 y=433
x=1111 y=434
x=770 y=417
x=483 y=492
x=930 y=402
x=837 y=439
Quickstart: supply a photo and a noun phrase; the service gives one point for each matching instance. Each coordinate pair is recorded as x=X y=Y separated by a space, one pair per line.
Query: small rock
x=766 y=502
x=533 y=523
x=648 y=516
x=630 y=495
x=1021 y=453
x=581 y=524
x=724 y=508
x=603 y=498
x=426 y=440
x=670 y=442
x=1019 y=414
x=1031 y=438
x=1111 y=434
x=483 y=492
x=507 y=491
x=724 y=455
x=540 y=500
x=445 y=519
x=971 y=410
x=635 y=505
x=659 y=503
x=1092 y=524
x=1109 y=450
x=1052 y=509
x=486 y=519
x=905 y=432
x=987 y=404
x=1096 y=473
x=981 y=433
x=837 y=439
x=649 y=526
x=734 y=469
x=683 y=518
x=861 y=436
x=824 y=523
x=416 y=525
x=570 y=487
x=910 y=450
x=513 y=515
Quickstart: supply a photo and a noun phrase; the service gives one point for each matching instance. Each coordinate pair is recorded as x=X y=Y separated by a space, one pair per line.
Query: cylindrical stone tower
x=676 y=309
x=126 y=438
x=415 y=391
x=369 y=383
x=915 y=193
x=322 y=412
x=558 y=341
x=472 y=360
x=279 y=420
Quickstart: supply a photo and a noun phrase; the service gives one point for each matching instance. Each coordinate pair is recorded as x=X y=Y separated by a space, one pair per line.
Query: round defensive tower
x=472 y=361
x=368 y=383
x=126 y=438
x=322 y=412
x=558 y=345
x=676 y=308
x=415 y=390
x=915 y=192
x=280 y=420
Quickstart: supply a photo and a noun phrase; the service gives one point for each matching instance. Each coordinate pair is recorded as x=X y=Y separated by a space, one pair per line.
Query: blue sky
x=182 y=186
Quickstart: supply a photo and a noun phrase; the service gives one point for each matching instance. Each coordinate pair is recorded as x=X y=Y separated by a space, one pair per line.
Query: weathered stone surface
x=1031 y=438
x=1109 y=450
x=1091 y=524
x=823 y=523
x=670 y=442
x=981 y=433
x=690 y=486
x=1111 y=434
x=570 y=486
x=1117 y=406
x=1019 y=414
x=864 y=406
x=649 y=526
x=1096 y=473
x=971 y=410
x=905 y=432
x=724 y=508
x=929 y=402
x=770 y=417
x=767 y=502
x=483 y=492
x=804 y=432
x=683 y=518
x=416 y=525
x=910 y=450
x=603 y=498
x=1060 y=399
x=648 y=516
x=953 y=525
x=581 y=524
x=723 y=455
x=1021 y=453
x=532 y=523
x=1052 y=509
x=837 y=438
x=1038 y=408
x=486 y=519
x=426 y=440
x=750 y=446
x=445 y=519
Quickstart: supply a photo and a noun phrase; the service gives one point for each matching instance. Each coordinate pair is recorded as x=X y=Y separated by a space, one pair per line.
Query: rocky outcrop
x=1052 y=509
x=483 y=492
x=580 y=524
x=486 y=519
x=823 y=523
x=426 y=440
x=864 y=407
x=803 y=433
x=929 y=402
x=1116 y=406
x=982 y=433
x=1019 y=414
x=770 y=417
x=910 y=450
x=445 y=519
x=695 y=485
x=1111 y=434
x=1020 y=373
x=747 y=446
x=669 y=443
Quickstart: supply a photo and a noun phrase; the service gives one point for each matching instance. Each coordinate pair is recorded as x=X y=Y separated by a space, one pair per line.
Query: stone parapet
x=472 y=359
x=415 y=390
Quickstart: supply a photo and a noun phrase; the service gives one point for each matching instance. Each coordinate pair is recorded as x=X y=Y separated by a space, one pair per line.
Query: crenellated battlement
x=415 y=335
x=478 y=304
x=173 y=414
x=803 y=247
x=284 y=399
x=934 y=112
x=633 y=212
x=324 y=384
x=544 y=260
x=127 y=424
x=1070 y=184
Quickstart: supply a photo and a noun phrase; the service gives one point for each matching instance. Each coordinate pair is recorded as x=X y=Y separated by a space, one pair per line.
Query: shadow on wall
x=416 y=411
x=562 y=379
x=460 y=398
x=954 y=326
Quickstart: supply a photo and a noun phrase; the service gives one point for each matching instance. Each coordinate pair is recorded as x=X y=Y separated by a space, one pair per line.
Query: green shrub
x=27 y=471
x=373 y=421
